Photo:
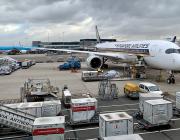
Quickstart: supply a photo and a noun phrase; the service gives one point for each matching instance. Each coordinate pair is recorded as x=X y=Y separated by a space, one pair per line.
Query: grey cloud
x=127 y=18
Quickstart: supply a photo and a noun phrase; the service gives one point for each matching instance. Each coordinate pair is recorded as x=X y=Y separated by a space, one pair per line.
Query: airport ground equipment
x=131 y=90
x=38 y=90
x=8 y=65
x=142 y=98
x=71 y=63
x=156 y=113
x=113 y=124
x=38 y=109
x=83 y=111
x=49 y=128
x=16 y=119
x=92 y=76
x=176 y=108
x=27 y=63
x=66 y=96
x=107 y=90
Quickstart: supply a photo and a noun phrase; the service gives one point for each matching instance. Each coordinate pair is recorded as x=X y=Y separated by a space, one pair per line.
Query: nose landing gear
x=171 y=78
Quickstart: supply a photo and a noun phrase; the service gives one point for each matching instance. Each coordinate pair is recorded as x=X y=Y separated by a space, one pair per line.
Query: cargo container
x=82 y=109
x=92 y=76
x=114 y=124
x=39 y=109
x=26 y=64
x=124 y=137
x=178 y=100
x=147 y=96
x=49 y=128
x=158 y=112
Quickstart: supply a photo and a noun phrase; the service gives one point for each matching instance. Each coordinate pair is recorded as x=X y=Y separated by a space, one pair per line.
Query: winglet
x=97 y=35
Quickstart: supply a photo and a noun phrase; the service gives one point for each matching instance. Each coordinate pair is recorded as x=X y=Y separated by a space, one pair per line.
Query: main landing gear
x=104 y=66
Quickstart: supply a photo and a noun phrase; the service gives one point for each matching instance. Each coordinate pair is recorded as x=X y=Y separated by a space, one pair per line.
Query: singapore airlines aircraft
x=158 y=54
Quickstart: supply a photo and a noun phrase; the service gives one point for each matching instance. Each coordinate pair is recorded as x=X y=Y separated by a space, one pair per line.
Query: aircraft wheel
x=169 y=81
x=173 y=81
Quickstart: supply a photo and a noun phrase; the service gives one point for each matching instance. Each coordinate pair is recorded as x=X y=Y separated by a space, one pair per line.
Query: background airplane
x=22 y=49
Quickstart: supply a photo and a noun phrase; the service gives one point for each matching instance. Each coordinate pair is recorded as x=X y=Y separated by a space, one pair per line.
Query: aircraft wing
x=103 y=54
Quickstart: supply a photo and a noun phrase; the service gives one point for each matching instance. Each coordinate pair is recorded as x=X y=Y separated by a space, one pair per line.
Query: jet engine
x=94 y=62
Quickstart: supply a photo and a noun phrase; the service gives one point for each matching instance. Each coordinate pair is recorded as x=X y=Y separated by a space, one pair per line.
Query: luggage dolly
x=143 y=124
x=176 y=112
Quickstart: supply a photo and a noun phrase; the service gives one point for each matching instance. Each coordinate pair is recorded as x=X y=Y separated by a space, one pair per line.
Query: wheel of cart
x=176 y=111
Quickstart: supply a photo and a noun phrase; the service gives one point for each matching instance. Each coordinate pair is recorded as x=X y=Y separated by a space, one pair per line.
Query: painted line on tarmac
x=118 y=105
x=126 y=110
x=81 y=129
x=168 y=130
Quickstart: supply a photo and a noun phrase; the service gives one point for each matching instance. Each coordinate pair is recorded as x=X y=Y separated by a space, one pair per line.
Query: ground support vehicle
x=71 y=63
x=92 y=76
x=36 y=90
x=131 y=90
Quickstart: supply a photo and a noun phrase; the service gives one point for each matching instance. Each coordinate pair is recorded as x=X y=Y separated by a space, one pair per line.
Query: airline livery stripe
x=135 y=51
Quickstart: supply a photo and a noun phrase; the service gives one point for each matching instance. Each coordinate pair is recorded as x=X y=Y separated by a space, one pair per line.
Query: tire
x=172 y=80
x=169 y=81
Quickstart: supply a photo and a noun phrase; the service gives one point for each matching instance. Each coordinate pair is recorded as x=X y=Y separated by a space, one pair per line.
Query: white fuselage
x=158 y=54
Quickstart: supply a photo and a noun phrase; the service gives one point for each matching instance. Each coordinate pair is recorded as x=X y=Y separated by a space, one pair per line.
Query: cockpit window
x=172 y=50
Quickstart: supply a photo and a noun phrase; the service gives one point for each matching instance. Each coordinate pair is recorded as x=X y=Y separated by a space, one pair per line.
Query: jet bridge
x=16 y=119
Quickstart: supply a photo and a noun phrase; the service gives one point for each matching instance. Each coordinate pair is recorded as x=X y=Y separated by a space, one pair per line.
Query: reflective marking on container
x=48 y=131
x=83 y=108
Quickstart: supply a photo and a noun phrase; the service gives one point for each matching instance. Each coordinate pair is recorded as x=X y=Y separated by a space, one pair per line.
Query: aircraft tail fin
x=97 y=35
x=174 y=39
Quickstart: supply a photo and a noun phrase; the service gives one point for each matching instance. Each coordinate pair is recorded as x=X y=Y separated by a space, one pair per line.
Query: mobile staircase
x=16 y=119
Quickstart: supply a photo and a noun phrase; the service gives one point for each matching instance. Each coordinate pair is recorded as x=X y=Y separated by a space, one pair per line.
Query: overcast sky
x=69 y=20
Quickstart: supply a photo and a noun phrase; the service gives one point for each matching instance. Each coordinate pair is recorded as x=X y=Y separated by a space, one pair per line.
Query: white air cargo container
x=114 y=124
x=124 y=137
x=147 y=96
x=39 y=109
x=178 y=100
x=49 y=128
x=157 y=112
x=82 y=109
x=51 y=108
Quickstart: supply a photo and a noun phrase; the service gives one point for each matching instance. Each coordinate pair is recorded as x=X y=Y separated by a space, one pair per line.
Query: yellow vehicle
x=131 y=90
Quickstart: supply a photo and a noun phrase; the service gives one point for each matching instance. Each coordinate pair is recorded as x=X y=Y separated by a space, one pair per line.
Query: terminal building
x=83 y=44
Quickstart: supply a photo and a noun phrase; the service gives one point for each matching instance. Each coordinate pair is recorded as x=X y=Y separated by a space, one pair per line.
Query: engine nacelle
x=94 y=62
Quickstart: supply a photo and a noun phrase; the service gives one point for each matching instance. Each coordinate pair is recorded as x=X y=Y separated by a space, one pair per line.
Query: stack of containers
x=82 y=109
x=114 y=124
x=49 y=128
x=147 y=96
x=124 y=137
x=39 y=109
x=158 y=112
x=178 y=100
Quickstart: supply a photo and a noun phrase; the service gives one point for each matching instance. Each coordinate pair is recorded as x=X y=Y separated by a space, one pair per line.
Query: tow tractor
x=66 y=97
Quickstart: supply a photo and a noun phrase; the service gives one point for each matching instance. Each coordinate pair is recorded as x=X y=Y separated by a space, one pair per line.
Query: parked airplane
x=22 y=49
x=158 y=54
